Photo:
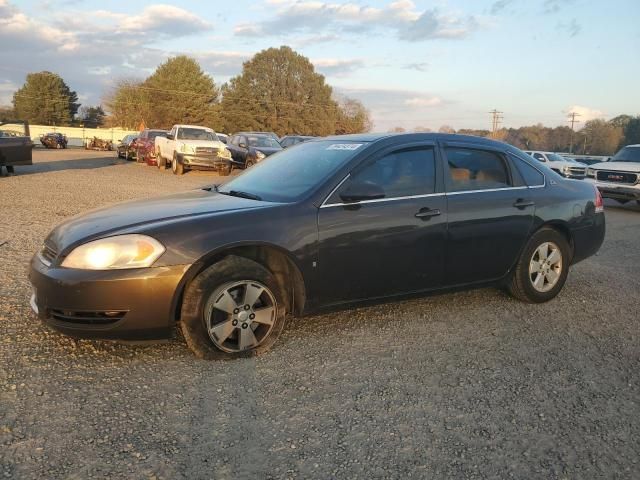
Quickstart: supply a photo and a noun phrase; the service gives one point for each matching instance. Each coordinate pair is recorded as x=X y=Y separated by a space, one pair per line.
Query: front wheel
x=249 y=163
x=225 y=171
x=176 y=167
x=234 y=308
x=542 y=268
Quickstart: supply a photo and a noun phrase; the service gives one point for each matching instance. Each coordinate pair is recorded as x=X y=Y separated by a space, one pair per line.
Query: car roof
x=194 y=126
x=417 y=136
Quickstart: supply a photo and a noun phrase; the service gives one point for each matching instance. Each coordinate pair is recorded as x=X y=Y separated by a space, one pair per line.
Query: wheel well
x=564 y=230
x=276 y=261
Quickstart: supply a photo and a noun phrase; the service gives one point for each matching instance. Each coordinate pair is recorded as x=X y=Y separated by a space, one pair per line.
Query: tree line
x=278 y=90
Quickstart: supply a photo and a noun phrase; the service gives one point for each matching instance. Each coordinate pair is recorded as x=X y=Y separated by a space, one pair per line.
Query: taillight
x=599 y=203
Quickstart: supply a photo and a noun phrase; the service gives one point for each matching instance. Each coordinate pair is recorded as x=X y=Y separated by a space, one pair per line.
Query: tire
x=522 y=284
x=176 y=167
x=226 y=171
x=209 y=288
x=638 y=202
x=58 y=146
x=161 y=163
x=126 y=155
x=138 y=159
x=249 y=163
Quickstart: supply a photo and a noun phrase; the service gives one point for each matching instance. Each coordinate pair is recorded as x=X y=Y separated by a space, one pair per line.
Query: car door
x=237 y=153
x=390 y=245
x=490 y=213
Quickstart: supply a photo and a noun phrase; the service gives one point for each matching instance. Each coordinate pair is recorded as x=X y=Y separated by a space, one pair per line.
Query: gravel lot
x=463 y=385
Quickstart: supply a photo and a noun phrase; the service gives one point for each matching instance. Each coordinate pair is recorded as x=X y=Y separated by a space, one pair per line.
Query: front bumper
x=137 y=304
x=617 y=191
x=212 y=162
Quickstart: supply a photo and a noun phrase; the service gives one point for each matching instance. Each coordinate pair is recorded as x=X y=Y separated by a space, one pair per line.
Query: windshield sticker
x=344 y=146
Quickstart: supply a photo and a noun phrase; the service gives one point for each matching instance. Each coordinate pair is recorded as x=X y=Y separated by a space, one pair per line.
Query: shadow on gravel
x=59 y=165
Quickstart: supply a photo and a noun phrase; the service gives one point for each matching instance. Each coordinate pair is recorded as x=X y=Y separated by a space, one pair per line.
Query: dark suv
x=248 y=148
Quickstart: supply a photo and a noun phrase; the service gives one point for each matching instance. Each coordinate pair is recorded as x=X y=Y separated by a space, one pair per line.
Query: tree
x=92 y=117
x=7 y=113
x=352 y=117
x=397 y=130
x=602 y=137
x=280 y=91
x=46 y=99
x=446 y=129
x=179 y=92
x=421 y=129
x=632 y=132
x=127 y=104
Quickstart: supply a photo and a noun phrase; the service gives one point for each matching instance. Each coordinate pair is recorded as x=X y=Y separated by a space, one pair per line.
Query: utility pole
x=496 y=118
x=572 y=119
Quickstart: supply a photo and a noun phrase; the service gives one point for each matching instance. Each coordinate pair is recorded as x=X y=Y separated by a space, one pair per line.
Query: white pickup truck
x=619 y=178
x=190 y=147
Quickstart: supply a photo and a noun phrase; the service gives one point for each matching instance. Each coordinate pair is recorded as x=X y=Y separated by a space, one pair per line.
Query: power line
x=572 y=119
x=496 y=118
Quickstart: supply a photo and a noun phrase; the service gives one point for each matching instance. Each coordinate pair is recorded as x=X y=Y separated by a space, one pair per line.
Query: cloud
x=573 y=28
x=400 y=16
x=422 y=102
x=337 y=67
x=419 y=67
x=584 y=113
x=554 y=6
x=499 y=6
x=6 y=92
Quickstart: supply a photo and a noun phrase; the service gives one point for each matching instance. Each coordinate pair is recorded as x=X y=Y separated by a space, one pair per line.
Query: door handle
x=522 y=203
x=427 y=213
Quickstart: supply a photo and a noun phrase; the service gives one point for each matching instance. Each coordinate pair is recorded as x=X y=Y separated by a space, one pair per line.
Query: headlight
x=225 y=153
x=259 y=155
x=591 y=173
x=119 y=252
x=184 y=148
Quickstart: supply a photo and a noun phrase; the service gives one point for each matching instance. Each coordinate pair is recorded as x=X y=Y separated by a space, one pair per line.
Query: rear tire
x=537 y=277
x=232 y=279
x=161 y=162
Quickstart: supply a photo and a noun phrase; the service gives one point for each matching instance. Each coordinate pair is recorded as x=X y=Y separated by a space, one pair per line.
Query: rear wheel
x=235 y=308
x=176 y=167
x=542 y=268
x=161 y=162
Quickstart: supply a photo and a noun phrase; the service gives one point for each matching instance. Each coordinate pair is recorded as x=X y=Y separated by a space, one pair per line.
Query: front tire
x=176 y=167
x=235 y=308
x=225 y=171
x=542 y=268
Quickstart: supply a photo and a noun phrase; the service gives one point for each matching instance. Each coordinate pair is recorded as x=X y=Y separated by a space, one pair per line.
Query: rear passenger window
x=401 y=174
x=471 y=169
x=532 y=177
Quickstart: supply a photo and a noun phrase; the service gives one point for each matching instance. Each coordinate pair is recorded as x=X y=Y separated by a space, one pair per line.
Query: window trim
x=544 y=177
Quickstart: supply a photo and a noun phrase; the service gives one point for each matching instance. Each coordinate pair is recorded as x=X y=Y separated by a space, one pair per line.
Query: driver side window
x=402 y=173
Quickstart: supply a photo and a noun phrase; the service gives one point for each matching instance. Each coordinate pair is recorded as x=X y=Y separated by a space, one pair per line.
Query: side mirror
x=170 y=137
x=242 y=145
x=359 y=191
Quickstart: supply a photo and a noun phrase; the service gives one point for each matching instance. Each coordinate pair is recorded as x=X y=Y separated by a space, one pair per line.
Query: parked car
x=15 y=145
x=144 y=146
x=566 y=167
x=53 y=140
x=124 y=147
x=291 y=140
x=189 y=147
x=619 y=178
x=99 y=144
x=271 y=134
x=586 y=159
x=332 y=222
x=247 y=149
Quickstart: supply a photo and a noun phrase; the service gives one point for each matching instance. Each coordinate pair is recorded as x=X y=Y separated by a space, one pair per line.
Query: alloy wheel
x=239 y=316
x=545 y=267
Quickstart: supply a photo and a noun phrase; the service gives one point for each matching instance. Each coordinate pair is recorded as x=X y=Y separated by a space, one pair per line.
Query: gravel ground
x=462 y=385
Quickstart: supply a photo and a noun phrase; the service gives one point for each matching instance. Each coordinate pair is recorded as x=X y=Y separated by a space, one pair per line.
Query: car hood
x=138 y=215
x=618 y=166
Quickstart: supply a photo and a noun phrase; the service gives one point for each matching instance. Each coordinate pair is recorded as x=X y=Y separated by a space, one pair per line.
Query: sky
x=412 y=63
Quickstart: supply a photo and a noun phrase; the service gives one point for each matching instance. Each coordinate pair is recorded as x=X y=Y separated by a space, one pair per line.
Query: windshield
x=153 y=135
x=262 y=141
x=196 y=134
x=291 y=174
x=554 y=157
x=627 y=154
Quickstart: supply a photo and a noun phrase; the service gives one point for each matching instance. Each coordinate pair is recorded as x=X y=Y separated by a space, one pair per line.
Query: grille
x=578 y=171
x=206 y=151
x=48 y=254
x=87 y=318
x=617 y=177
